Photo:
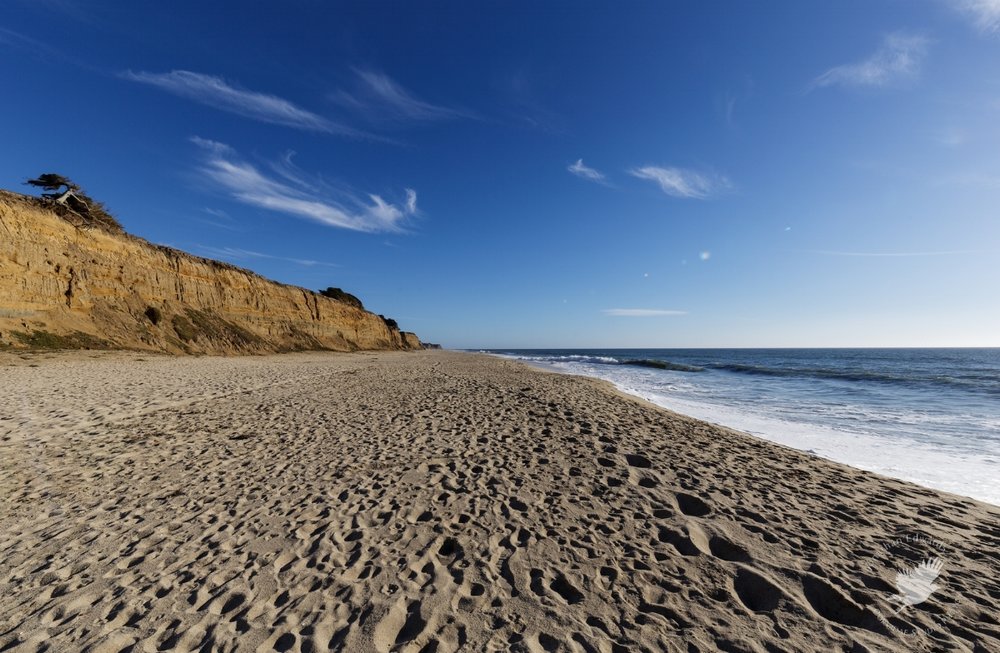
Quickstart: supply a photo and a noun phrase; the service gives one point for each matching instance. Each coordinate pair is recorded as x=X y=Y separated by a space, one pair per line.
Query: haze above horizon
x=546 y=175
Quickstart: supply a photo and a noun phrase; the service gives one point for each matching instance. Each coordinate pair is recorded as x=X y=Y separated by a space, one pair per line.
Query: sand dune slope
x=434 y=502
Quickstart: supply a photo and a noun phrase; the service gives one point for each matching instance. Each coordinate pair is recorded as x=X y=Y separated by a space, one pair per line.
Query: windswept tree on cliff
x=74 y=204
x=52 y=182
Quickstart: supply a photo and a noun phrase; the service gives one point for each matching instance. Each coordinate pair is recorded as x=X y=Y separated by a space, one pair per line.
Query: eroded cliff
x=66 y=285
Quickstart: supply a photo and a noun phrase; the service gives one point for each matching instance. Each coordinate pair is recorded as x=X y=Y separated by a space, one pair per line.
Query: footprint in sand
x=691 y=505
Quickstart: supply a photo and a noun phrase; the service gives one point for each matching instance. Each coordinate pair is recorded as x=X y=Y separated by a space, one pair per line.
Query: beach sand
x=443 y=501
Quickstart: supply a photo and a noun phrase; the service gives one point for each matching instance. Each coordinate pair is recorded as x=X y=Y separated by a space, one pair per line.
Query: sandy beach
x=437 y=501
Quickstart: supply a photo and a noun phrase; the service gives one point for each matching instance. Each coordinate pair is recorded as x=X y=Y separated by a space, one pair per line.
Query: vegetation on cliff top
x=348 y=298
x=341 y=296
x=69 y=201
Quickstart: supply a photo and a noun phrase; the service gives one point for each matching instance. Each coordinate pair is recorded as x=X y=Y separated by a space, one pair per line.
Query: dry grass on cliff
x=88 y=213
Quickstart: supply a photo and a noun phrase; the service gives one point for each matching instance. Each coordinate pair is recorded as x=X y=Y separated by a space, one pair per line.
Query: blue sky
x=668 y=174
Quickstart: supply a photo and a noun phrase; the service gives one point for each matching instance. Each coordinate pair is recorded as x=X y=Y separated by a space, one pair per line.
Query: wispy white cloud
x=293 y=194
x=640 y=312
x=220 y=94
x=681 y=182
x=734 y=96
x=586 y=172
x=411 y=201
x=16 y=39
x=898 y=58
x=379 y=96
x=730 y=109
x=524 y=97
x=984 y=13
x=218 y=213
x=34 y=47
x=223 y=220
x=237 y=254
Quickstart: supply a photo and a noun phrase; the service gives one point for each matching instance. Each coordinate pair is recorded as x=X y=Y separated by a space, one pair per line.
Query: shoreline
x=612 y=388
x=889 y=454
x=382 y=501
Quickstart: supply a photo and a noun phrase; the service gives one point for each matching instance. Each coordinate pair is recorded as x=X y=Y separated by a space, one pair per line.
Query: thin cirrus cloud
x=640 y=312
x=20 y=41
x=585 y=172
x=682 y=182
x=288 y=191
x=985 y=14
x=238 y=254
x=897 y=59
x=378 y=96
x=218 y=93
x=222 y=220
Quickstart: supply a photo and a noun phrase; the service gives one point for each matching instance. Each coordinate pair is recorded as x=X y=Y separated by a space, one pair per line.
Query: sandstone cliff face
x=411 y=341
x=61 y=284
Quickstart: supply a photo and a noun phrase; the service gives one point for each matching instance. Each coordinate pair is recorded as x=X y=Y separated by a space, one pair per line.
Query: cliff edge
x=66 y=285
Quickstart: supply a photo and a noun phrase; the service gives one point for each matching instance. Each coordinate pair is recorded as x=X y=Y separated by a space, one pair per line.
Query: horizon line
x=476 y=349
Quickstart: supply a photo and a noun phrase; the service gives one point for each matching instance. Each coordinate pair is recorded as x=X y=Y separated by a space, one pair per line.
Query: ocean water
x=930 y=416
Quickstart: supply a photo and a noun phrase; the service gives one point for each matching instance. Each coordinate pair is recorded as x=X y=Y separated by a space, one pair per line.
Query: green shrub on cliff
x=183 y=327
x=341 y=296
x=207 y=326
x=46 y=340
